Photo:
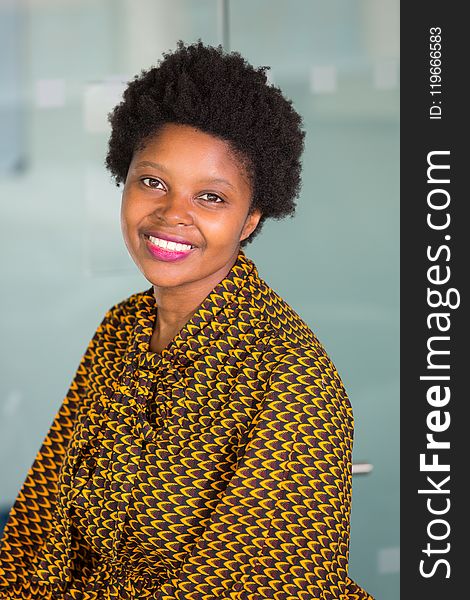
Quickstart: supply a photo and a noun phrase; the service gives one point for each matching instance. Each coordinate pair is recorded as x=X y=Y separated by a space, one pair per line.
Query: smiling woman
x=183 y=219
x=203 y=450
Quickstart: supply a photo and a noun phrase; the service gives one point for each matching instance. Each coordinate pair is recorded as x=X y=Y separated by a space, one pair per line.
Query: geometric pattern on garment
x=218 y=468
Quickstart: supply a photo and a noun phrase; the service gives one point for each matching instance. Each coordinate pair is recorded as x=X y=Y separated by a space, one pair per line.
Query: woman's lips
x=165 y=253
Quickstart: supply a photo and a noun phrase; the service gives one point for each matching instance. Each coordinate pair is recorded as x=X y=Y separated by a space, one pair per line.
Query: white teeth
x=169 y=245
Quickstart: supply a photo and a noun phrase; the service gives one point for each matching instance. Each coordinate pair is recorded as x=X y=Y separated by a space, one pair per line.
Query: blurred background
x=63 y=66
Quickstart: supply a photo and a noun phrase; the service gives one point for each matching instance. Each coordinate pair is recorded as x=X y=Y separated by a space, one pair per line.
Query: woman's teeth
x=176 y=247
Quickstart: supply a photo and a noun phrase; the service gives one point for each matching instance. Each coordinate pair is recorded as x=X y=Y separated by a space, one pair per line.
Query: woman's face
x=186 y=186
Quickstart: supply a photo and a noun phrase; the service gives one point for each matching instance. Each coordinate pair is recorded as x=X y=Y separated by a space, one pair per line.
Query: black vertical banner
x=435 y=240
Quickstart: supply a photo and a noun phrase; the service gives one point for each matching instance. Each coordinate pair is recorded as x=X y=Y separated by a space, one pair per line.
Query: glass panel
x=63 y=259
x=336 y=261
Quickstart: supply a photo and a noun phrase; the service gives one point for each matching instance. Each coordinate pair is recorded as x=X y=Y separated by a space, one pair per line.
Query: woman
x=203 y=450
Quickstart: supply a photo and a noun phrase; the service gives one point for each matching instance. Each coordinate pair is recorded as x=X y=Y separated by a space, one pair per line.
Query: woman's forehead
x=176 y=147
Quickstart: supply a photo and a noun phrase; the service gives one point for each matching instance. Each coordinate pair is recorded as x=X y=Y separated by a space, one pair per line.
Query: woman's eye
x=151 y=182
x=212 y=198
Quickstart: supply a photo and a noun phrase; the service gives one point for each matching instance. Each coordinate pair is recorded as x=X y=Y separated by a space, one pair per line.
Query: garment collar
x=217 y=311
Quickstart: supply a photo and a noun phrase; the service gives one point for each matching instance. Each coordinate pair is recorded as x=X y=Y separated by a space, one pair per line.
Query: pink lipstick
x=166 y=254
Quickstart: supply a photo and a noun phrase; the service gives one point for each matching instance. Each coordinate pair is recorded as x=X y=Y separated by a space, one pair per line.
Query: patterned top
x=219 y=468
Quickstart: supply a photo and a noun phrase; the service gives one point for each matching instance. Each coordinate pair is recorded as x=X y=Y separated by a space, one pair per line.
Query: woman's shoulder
x=123 y=313
x=287 y=340
x=280 y=324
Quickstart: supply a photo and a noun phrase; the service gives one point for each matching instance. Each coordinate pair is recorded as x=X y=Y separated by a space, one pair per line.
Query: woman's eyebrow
x=149 y=163
x=218 y=180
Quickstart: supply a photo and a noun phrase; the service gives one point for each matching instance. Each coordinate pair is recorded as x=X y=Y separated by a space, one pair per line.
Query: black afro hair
x=222 y=94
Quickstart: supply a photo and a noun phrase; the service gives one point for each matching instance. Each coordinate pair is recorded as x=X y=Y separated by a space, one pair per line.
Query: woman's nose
x=175 y=207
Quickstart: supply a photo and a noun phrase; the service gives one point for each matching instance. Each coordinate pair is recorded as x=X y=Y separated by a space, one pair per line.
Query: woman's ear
x=251 y=223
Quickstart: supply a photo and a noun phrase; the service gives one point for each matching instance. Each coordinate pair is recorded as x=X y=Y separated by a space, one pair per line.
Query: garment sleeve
x=281 y=528
x=30 y=518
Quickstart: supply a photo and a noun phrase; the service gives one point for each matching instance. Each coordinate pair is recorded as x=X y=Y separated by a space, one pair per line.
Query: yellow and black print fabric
x=219 y=468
